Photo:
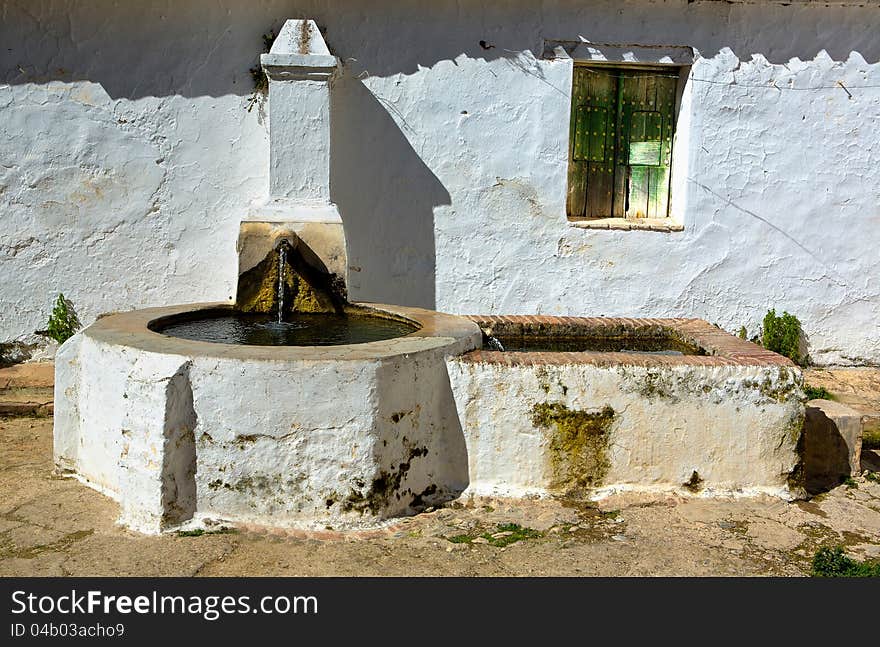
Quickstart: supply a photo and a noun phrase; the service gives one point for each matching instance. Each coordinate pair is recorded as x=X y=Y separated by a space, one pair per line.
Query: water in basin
x=296 y=330
x=658 y=345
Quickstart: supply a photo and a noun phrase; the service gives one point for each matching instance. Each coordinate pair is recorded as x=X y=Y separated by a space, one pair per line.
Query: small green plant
x=743 y=333
x=63 y=322
x=694 y=483
x=831 y=562
x=850 y=483
x=258 y=74
x=504 y=535
x=874 y=477
x=871 y=439
x=817 y=393
x=783 y=335
x=517 y=533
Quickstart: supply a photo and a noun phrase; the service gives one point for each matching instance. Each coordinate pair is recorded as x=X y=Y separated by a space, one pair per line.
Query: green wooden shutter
x=647 y=119
x=591 y=155
x=622 y=123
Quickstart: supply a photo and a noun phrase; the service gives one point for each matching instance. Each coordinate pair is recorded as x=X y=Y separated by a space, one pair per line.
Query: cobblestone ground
x=56 y=526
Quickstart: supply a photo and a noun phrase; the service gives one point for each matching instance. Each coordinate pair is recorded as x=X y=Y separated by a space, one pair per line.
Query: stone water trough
x=182 y=431
x=587 y=406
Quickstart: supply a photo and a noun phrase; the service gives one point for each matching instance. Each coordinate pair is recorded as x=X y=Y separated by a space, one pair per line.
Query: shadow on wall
x=386 y=195
x=202 y=47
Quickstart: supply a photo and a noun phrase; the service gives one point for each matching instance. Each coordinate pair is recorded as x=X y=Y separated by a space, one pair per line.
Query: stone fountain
x=294 y=407
x=341 y=431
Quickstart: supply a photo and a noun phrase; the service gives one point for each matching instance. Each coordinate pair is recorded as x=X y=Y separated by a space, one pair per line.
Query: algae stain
x=694 y=483
x=385 y=485
x=306 y=289
x=578 y=445
x=400 y=415
x=796 y=479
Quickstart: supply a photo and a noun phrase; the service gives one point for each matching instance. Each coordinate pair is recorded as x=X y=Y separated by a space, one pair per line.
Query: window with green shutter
x=622 y=126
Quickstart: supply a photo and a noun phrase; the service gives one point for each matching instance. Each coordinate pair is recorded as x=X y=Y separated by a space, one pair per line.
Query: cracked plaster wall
x=127 y=159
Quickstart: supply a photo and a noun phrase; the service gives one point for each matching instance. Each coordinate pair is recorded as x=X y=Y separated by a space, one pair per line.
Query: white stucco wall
x=127 y=159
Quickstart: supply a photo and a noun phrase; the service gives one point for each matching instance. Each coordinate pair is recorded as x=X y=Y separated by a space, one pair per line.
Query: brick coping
x=722 y=348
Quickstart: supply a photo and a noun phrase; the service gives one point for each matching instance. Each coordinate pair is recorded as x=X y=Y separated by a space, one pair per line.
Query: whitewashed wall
x=127 y=159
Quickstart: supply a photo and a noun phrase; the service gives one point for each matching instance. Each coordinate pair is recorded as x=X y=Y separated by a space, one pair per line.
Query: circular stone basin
x=350 y=422
x=298 y=329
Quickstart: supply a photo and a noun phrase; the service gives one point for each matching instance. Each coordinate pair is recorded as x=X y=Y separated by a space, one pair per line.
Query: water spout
x=493 y=343
x=290 y=279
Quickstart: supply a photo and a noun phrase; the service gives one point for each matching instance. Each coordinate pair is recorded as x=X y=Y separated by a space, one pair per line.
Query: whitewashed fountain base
x=180 y=431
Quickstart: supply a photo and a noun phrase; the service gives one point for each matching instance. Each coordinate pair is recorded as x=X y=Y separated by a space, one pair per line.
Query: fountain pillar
x=300 y=69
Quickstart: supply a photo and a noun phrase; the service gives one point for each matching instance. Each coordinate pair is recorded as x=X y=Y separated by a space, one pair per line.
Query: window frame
x=668 y=222
x=582 y=51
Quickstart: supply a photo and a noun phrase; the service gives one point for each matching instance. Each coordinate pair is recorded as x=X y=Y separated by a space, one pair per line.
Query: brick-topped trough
x=726 y=420
x=721 y=348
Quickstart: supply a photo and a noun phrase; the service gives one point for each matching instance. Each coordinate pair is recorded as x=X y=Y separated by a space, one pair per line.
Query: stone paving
x=26 y=389
x=56 y=526
x=858 y=388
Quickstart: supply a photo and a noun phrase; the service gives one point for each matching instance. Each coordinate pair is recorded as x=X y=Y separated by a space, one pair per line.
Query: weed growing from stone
x=831 y=562
x=783 y=335
x=504 y=535
x=817 y=393
x=694 y=483
x=63 y=322
x=258 y=74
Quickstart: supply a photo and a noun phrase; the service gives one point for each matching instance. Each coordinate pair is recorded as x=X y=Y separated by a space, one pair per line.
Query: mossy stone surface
x=306 y=289
x=578 y=445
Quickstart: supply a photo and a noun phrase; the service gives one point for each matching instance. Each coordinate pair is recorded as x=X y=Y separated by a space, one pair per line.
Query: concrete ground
x=56 y=526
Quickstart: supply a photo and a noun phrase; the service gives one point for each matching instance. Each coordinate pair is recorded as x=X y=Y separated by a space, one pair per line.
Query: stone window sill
x=622 y=224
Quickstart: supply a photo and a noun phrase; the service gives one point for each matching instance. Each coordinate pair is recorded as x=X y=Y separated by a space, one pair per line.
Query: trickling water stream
x=493 y=343
x=282 y=259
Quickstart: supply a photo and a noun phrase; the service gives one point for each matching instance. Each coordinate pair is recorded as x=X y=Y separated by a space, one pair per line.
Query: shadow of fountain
x=831 y=446
x=179 y=492
x=386 y=196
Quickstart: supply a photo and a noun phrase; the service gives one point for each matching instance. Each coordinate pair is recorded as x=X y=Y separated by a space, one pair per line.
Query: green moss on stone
x=871 y=438
x=795 y=432
x=307 y=289
x=578 y=445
